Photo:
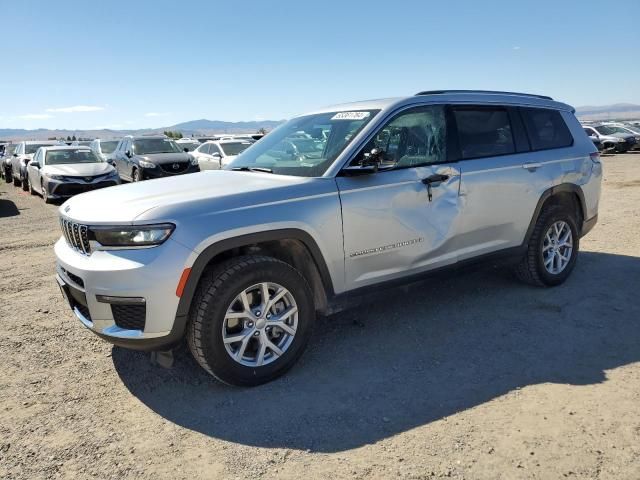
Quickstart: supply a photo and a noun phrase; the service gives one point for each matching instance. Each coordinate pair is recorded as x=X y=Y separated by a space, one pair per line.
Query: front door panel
x=392 y=229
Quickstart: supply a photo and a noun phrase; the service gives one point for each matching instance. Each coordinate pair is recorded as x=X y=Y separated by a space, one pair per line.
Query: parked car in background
x=63 y=171
x=188 y=144
x=629 y=138
x=240 y=261
x=151 y=156
x=103 y=148
x=22 y=155
x=5 y=162
x=608 y=142
x=635 y=131
x=216 y=155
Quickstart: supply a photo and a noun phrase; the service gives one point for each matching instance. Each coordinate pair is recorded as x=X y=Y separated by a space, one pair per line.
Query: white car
x=63 y=171
x=216 y=155
x=104 y=148
x=189 y=143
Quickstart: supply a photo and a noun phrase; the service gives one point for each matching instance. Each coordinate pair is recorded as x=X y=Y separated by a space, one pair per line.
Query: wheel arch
x=293 y=246
x=567 y=194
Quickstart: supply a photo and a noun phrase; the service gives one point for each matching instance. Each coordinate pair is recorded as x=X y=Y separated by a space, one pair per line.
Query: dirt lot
x=473 y=376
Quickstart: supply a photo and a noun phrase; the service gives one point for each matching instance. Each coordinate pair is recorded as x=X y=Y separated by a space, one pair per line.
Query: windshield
x=191 y=146
x=609 y=130
x=148 y=146
x=234 y=148
x=33 y=148
x=108 y=146
x=58 y=157
x=305 y=146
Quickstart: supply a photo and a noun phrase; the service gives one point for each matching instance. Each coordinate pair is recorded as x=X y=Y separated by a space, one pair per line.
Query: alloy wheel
x=557 y=247
x=260 y=324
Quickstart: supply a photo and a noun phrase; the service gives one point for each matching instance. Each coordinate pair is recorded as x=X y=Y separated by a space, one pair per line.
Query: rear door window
x=484 y=131
x=546 y=128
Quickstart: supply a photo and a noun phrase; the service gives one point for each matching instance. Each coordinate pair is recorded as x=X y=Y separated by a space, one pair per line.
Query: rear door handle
x=532 y=165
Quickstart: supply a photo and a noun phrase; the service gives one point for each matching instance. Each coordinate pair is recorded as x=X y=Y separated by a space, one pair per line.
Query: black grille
x=130 y=317
x=76 y=235
x=171 y=167
x=67 y=189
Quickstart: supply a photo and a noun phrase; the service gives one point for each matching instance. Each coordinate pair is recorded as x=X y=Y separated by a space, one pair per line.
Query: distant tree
x=262 y=131
x=172 y=134
x=73 y=139
x=52 y=138
x=68 y=138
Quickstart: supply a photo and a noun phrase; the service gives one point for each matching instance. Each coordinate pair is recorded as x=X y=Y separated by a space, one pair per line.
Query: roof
x=41 y=142
x=451 y=96
x=66 y=147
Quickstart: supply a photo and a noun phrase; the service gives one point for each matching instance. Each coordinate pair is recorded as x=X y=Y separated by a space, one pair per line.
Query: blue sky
x=116 y=64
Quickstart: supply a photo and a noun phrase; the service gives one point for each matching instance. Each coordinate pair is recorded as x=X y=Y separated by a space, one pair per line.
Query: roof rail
x=442 y=92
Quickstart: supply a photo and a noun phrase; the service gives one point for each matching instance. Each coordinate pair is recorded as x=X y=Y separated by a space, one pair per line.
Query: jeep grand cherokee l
x=239 y=261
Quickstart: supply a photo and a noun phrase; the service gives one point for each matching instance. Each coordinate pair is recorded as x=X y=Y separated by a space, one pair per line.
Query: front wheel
x=136 y=175
x=251 y=320
x=45 y=193
x=7 y=175
x=552 y=249
x=30 y=187
x=16 y=181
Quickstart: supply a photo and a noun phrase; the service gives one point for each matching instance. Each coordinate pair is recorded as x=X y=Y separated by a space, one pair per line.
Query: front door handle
x=532 y=165
x=437 y=178
x=431 y=179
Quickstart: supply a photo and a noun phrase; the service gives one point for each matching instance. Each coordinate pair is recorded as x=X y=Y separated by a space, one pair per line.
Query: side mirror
x=216 y=155
x=15 y=154
x=34 y=163
x=357 y=170
x=128 y=153
x=185 y=149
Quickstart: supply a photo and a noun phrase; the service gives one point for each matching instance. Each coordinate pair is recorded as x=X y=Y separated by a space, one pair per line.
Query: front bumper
x=68 y=188
x=96 y=286
x=166 y=170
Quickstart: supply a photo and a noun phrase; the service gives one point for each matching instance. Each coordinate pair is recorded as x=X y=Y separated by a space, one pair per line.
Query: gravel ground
x=470 y=376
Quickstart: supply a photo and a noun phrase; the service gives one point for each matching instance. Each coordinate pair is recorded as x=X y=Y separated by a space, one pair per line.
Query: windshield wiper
x=252 y=169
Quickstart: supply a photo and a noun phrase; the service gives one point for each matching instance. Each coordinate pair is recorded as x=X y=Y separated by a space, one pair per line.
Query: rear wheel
x=552 y=250
x=251 y=320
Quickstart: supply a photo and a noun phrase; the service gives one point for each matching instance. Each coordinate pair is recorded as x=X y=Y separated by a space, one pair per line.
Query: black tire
x=16 y=181
x=135 y=175
x=217 y=290
x=45 y=194
x=25 y=183
x=531 y=268
x=7 y=176
x=30 y=187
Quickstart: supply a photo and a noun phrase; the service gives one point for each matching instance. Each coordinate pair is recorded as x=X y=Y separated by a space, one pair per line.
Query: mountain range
x=618 y=111
x=193 y=127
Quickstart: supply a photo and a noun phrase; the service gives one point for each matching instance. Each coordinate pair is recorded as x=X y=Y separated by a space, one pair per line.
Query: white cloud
x=35 y=116
x=76 y=109
x=155 y=114
x=516 y=47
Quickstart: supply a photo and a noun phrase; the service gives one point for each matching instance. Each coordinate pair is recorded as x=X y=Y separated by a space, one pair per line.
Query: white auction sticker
x=350 y=116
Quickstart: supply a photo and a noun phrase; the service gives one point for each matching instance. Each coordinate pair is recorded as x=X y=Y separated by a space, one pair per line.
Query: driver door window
x=412 y=139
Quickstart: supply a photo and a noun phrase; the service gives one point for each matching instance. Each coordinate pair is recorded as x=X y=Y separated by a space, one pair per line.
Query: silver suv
x=239 y=261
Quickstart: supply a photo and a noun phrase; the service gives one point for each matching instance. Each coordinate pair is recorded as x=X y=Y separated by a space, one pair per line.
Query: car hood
x=162 y=158
x=78 y=169
x=176 y=198
x=623 y=136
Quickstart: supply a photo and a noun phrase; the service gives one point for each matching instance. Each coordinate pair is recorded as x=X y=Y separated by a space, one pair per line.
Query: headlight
x=55 y=177
x=194 y=160
x=145 y=164
x=131 y=236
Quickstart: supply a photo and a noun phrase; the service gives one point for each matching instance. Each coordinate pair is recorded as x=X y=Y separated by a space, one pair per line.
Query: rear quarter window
x=546 y=128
